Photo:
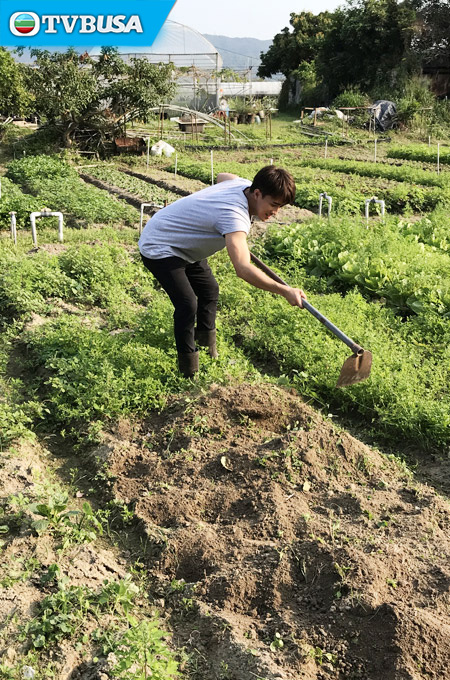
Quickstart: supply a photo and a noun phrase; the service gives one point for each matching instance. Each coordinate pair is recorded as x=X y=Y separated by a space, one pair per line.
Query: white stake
x=429 y=140
x=271 y=161
x=438 y=168
x=13 y=227
x=212 y=168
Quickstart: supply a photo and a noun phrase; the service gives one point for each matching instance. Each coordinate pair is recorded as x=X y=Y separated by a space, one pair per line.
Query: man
x=177 y=241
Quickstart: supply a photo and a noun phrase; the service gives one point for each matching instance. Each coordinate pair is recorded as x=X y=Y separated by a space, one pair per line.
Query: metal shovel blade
x=355 y=368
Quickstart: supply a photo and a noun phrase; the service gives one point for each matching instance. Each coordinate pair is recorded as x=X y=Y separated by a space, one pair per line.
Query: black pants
x=194 y=292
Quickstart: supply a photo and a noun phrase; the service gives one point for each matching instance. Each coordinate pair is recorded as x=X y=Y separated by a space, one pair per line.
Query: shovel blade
x=355 y=368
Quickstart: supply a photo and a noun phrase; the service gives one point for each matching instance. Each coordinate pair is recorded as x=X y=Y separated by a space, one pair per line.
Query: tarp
x=385 y=113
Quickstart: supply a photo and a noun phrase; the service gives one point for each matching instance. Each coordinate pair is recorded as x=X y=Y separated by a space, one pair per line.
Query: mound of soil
x=292 y=550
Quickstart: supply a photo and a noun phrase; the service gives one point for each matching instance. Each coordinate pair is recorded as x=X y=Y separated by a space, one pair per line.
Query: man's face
x=266 y=206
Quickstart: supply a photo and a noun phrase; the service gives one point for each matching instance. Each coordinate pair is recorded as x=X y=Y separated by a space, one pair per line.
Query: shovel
x=355 y=368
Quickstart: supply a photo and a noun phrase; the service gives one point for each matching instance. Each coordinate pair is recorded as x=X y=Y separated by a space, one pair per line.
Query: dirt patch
x=26 y=559
x=168 y=180
x=307 y=554
x=130 y=198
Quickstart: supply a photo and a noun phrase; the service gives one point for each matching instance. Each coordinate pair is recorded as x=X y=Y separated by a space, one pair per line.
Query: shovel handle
x=356 y=349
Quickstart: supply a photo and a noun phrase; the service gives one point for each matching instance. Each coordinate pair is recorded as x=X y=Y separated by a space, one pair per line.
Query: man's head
x=271 y=188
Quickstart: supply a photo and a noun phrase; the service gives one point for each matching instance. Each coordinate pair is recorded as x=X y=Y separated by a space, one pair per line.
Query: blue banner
x=48 y=23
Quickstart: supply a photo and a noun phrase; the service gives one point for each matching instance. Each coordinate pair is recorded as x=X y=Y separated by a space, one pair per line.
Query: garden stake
x=355 y=368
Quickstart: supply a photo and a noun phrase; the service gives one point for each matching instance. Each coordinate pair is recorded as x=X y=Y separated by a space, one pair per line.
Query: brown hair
x=275 y=182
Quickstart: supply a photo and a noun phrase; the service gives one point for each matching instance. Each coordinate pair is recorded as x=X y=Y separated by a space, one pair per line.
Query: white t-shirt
x=194 y=227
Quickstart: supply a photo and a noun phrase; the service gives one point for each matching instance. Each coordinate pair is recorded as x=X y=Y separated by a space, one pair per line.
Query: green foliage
x=415 y=96
x=351 y=97
x=289 y=49
x=431 y=229
x=349 y=193
x=57 y=185
x=379 y=260
x=95 y=375
x=407 y=393
x=312 y=90
x=148 y=192
x=98 y=273
x=403 y=173
x=14 y=200
x=365 y=44
x=15 y=99
x=27 y=281
x=72 y=526
x=71 y=91
x=63 y=613
x=141 y=652
x=420 y=152
x=59 y=615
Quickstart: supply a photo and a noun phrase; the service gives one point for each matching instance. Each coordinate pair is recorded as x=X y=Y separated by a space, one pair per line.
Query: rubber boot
x=207 y=339
x=188 y=363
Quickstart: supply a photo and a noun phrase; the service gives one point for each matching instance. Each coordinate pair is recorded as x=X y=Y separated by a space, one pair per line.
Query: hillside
x=239 y=53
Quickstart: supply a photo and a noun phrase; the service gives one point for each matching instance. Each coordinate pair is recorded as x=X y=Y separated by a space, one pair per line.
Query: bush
x=351 y=97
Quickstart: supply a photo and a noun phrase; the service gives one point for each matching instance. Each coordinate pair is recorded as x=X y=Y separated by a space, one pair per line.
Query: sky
x=261 y=19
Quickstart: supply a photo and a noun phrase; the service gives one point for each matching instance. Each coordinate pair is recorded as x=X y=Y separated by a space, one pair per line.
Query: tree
x=368 y=42
x=290 y=49
x=432 y=39
x=15 y=100
x=76 y=93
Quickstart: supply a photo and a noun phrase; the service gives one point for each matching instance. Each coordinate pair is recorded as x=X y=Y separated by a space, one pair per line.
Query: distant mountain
x=239 y=53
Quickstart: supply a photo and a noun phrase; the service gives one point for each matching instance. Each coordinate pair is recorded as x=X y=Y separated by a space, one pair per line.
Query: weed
x=277 y=643
x=320 y=657
x=73 y=526
x=118 y=595
x=344 y=573
x=140 y=652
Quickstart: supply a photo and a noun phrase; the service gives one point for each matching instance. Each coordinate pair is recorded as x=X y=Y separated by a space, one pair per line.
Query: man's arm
x=237 y=248
x=223 y=176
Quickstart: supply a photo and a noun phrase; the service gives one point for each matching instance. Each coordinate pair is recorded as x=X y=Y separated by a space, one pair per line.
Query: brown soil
x=298 y=552
x=26 y=475
x=167 y=180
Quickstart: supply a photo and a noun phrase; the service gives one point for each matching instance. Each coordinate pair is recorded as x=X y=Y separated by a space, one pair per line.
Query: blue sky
x=244 y=18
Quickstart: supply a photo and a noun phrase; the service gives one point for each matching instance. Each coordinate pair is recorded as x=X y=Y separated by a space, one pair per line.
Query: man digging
x=177 y=241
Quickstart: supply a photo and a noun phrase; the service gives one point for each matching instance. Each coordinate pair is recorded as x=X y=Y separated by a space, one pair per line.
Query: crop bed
x=349 y=192
x=57 y=186
x=148 y=192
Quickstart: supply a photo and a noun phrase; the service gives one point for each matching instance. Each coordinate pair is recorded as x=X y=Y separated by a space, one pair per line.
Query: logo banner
x=53 y=23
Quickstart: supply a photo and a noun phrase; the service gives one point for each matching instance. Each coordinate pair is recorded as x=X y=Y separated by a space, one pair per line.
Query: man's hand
x=237 y=248
x=294 y=296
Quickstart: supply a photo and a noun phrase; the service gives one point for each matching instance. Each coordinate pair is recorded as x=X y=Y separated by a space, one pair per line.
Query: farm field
x=256 y=522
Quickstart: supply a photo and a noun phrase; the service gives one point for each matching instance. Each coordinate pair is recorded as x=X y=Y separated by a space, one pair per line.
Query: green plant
x=277 y=643
x=140 y=652
x=320 y=656
x=72 y=526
